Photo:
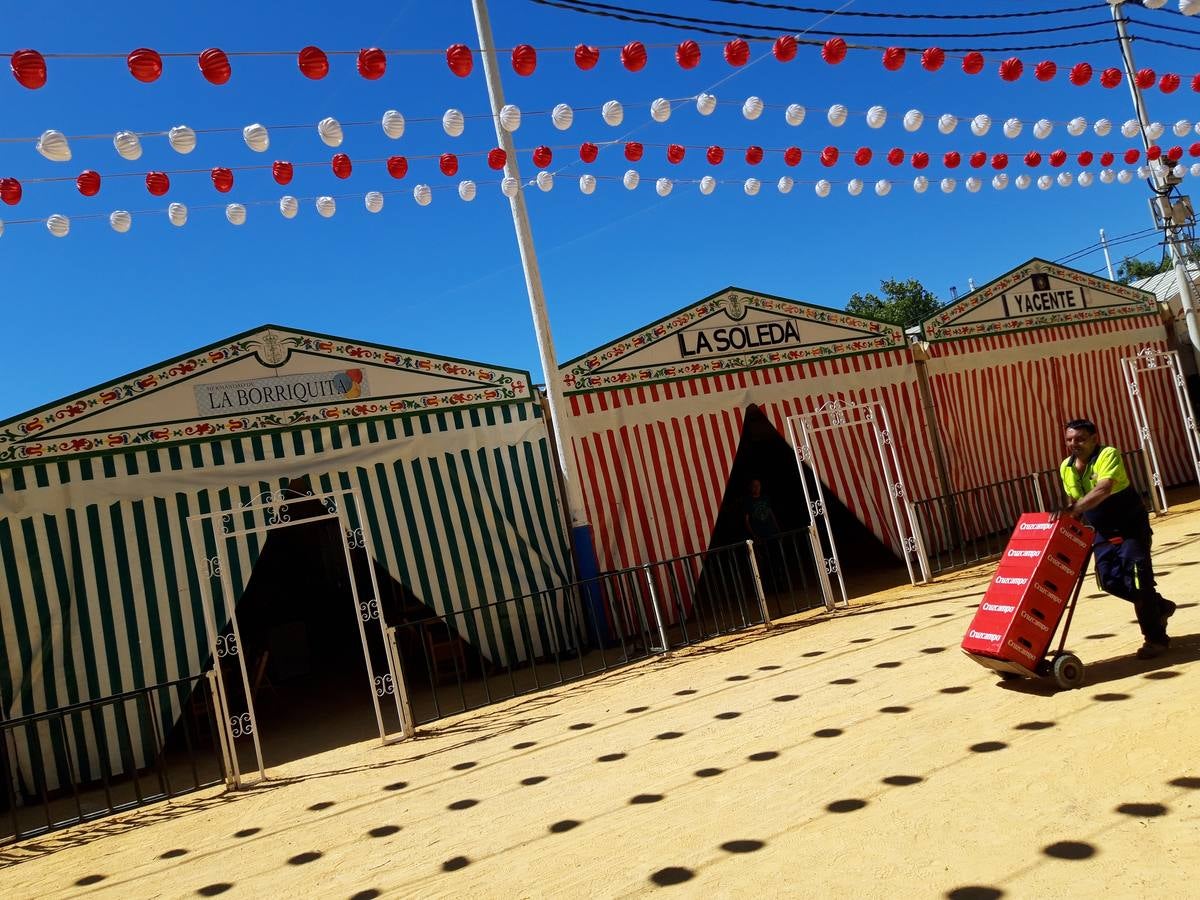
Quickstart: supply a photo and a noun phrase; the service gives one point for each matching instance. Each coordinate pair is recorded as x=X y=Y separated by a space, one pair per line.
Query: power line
x=787 y=7
x=1097 y=245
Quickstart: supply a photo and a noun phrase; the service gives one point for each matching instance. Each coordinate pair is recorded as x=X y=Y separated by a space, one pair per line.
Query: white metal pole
x=1107 y=258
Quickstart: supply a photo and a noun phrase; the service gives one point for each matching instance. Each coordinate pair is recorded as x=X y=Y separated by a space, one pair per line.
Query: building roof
x=1164 y=286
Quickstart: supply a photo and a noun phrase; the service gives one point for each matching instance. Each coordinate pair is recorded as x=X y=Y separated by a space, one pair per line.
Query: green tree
x=904 y=303
x=1131 y=270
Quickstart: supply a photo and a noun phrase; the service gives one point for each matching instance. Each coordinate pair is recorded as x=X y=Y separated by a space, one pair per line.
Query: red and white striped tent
x=657 y=416
x=1015 y=359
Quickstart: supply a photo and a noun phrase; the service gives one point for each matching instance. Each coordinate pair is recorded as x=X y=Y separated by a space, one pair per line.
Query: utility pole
x=1107 y=258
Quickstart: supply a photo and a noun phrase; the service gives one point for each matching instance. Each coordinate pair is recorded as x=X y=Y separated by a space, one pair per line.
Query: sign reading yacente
x=1039 y=296
x=281 y=391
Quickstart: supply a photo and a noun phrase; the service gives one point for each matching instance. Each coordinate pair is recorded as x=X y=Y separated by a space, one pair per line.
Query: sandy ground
x=855 y=755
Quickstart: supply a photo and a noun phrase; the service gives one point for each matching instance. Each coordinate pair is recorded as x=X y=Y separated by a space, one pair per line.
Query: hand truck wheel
x=1067 y=671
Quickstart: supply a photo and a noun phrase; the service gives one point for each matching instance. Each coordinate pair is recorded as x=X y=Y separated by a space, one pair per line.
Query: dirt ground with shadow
x=850 y=755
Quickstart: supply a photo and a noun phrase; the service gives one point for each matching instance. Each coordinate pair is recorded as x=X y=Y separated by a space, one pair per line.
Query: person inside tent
x=1098 y=490
x=762 y=527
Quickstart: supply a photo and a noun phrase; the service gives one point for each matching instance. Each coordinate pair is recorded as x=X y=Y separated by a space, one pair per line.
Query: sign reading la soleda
x=281 y=391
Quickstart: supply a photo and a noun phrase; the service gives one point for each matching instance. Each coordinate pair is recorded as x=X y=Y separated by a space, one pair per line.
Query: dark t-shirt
x=762 y=522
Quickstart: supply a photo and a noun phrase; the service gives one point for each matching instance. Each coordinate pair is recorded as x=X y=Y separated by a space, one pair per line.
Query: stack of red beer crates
x=1020 y=612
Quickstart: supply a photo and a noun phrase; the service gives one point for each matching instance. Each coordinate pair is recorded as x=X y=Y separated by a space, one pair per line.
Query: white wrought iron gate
x=1148 y=361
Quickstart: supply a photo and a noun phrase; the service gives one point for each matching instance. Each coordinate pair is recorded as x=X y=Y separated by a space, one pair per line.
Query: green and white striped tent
x=100 y=590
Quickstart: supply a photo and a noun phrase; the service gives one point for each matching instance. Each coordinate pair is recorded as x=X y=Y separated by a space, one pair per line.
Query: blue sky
x=446 y=278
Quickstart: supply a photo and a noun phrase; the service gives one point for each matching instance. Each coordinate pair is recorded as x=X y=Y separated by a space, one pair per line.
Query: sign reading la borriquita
x=281 y=391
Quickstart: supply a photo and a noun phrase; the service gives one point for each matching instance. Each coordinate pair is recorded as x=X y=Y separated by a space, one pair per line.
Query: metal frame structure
x=274 y=505
x=844 y=414
x=1153 y=360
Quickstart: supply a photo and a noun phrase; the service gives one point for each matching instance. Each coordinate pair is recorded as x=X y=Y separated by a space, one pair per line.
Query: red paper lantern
x=999 y=161
x=715 y=155
x=862 y=156
x=1011 y=69
x=29 y=68
x=675 y=154
x=633 y=151
x=1106 y=158
x=754 y=155
x=1045 y=70
x=282 y=172
x=829 y=157
x=1153 y=152
x=687 y=54
x=1145 y=78
x=1110 y=77
x=1033 y=159
x=448 y=163
x=1175 y=154
x=933 y=59
x=737 y=52
x=542 y=156
x=834 y=51
x=895 y=156
x=972 y=63
x=920 y=159
x=1084 y=158
x=784 y=48
x=459 y=59
x=222 y=179
x=1194 y=150
x=586 y=56
x=893 y=58
x=588 y=152
x=792 y=156
x=1196 y=83
x=88 y=183
x=341 y=165
x=157 y=183
x=978 y=159
x=1169 y=83
x=633 y=56
x=496 y=158
x=214 y=66
x=397 y=166
x=951 y=159
x=313 y=63
x=524 y=59
x=1058 y=157
x=144 y=64
x=10 y=191
x=1081 y=74
x=1131 y=156
x=372 y=63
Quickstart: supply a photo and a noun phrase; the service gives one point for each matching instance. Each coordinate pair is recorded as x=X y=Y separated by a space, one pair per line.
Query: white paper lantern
x=423 y=194
x=973 y=184
x=466 y=190
x=660 y=110
x=128 y=145
x=981 y=124
x=948 y=185
x=613 y=113
x=1130 y=128
x=393 y=124
x=562 y=116
x=510 y=117
x=288 y=206
x=1 y=228
x=708 y=184
x=1154 y=4
x=326 y=206
x=58 y=225
x=1077 y=126
x=177 y=214
x=1084 y=179
x=705 y=104
x=1197 y=128
x=1182 y=128
x=1000 y=182
x=785 y=184
x=1102 y=127
x=1155 y=130
x=1107 y=176
x=235 y=213
x=663 y=186
x=1143 y=172
x=631 y=179
x=330 y=130
x=1022 y=181
x=947 y=123
x=1180 y=171
x=373 y=201
x=53 y=145
x=587 y=183
x=913 y=120
x=182 y=139
x=1065 y=179
x=1012 y=127
x=794 y=114
x=1042 y=129
x=854 y=187
x=1044 y=182
x=752 y=108
x=920 y=184
x=1124 y=176
x=822 y=188
x=837 y=115
x=453 y=122
x=876 y=117
x=751 y=186
x=256 y=137
x=1189 y=7
x=120 y=220
x=509 y=186
x=545 y=181
x=883 y=187
x=1195 y=170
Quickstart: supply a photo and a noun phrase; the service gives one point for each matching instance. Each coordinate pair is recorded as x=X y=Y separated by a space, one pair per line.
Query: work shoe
x=1168 y=609
x=1151 y=650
